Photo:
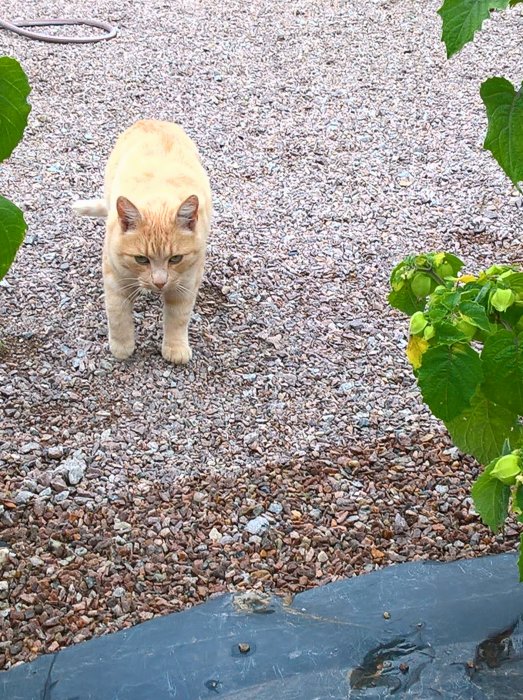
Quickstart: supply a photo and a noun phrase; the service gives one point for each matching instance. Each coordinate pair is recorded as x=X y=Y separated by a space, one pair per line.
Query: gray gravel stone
x=400 y=524
x=30 y=447
x=55 y=452
x=257 y=525
x=4 y=555
x=30 y=485
x=36 y=562
x=215 y=535
x=62 y=496
x=73 y=469
x=56 y=547
x=23 y=497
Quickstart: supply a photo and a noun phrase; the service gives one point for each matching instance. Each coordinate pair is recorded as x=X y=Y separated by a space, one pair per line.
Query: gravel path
x=294 y=449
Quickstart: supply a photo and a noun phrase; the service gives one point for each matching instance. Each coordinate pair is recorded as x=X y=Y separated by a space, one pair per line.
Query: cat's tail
x=90 y=207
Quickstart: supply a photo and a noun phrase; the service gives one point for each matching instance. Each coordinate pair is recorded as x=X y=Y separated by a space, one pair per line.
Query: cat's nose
x=159 y=285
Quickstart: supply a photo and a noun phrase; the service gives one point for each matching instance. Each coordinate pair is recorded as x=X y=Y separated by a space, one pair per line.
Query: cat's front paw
x=179 y=353
x=121 y=350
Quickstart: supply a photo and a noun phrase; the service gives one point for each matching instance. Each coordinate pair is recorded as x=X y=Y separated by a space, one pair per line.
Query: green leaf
x=12 y=230
x=515 y=280
x=475 y=314
x=437 y=313
x=448 y=334
x=462 y=19
x=502 y=358
x=441 y=304
x=481 y=430
x=404 y=300
x=448 y=378
x=505 y=125
x=491 y=498
x=449 y=299
x=453 y=260
x=520 y=560
x=14 y=108
x=518 y=497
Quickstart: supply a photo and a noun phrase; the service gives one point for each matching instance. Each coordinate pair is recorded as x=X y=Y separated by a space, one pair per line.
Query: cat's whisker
x=131 y=297
x=181 y=288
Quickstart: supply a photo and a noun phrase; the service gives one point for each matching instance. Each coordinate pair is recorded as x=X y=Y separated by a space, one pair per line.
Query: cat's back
x=154 y=147
x=155 y=137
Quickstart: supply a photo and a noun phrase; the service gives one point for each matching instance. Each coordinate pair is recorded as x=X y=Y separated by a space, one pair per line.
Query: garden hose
x=16 y=26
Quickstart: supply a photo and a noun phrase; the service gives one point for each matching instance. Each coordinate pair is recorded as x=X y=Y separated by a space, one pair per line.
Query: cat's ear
x=187 y=214
x=128 y=214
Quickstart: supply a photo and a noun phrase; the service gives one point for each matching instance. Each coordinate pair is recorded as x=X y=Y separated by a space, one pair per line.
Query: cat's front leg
x=119 y=309
x=176 y=316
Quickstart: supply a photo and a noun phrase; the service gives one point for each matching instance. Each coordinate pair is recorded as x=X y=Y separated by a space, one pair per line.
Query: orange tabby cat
x=158 y=209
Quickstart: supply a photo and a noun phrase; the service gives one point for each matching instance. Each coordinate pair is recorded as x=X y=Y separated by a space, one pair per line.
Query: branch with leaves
x=14 y=111
x=461 y=19
x=466 y=349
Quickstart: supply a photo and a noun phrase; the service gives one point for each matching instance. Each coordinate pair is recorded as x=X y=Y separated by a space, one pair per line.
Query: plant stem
x=430 y=272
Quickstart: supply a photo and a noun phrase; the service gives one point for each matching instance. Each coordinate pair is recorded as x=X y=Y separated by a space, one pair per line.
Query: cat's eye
x=175 y=259
x=141 y=259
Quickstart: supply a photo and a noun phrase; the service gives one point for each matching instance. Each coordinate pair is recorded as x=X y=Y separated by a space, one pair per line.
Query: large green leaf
x=482 y=429
x=404 y=300
x=515 y=280
x=448 y=334
x=462 y=19
x=505 y=125
x=475 y=314
x=448 y=378
x=14 y=108
x=12 y=230
x=491 y=498
x=502 y=358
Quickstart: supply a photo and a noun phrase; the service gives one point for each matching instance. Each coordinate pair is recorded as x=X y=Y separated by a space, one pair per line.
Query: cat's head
x=157 y=245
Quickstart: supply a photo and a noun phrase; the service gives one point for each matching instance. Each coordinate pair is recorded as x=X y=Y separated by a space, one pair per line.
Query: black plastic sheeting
x=420 y=630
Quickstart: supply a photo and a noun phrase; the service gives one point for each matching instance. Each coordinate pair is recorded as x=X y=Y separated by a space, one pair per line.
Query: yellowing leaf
x=415 y=349
x=467 y=278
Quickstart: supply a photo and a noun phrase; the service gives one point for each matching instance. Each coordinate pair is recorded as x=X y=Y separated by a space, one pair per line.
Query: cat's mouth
x=152 y=291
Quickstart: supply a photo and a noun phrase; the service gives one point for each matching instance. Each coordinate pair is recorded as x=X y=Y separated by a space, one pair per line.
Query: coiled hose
x=16 y=26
